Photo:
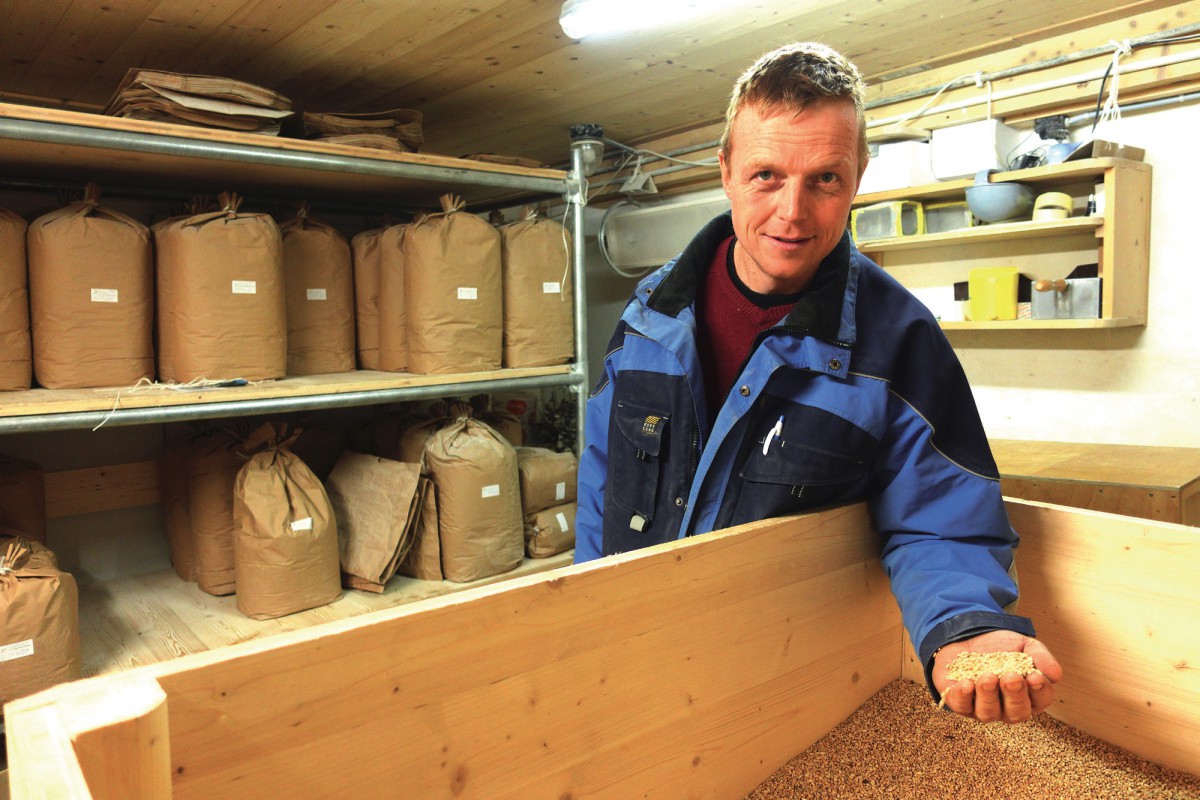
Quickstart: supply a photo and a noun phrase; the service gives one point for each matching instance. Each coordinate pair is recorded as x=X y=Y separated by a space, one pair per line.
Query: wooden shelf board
x=1165 y=468
x=156 y=616
x=1051 y=173
x=1043 y=324
x=184 y=157
x=1001 y=231
x=34 y=402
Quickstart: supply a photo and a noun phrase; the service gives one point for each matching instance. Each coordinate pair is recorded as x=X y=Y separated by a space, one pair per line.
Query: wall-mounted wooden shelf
x=1116 y=238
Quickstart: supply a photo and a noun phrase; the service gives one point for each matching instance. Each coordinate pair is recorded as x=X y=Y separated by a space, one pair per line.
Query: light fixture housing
x=581 y=18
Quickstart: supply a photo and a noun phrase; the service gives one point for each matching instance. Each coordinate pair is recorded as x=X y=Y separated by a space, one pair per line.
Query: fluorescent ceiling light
x=580 y=18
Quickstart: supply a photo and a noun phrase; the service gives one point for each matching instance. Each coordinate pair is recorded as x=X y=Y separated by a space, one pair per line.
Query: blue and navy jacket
x=862 y=398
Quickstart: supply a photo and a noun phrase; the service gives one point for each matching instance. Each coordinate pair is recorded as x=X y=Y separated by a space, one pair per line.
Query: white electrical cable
x=601 y=241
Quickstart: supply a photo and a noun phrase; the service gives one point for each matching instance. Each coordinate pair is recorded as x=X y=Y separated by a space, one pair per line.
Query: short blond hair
x=794 y=75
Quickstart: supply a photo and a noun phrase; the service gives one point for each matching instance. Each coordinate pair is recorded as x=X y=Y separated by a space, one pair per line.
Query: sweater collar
x=819 y=310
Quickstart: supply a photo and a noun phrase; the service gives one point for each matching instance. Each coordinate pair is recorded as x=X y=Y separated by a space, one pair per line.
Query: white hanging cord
x=146 y=384
x=1112 y=106
x=562 y=285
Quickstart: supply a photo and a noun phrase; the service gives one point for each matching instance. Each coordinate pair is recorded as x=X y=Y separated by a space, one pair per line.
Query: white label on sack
x=491 y=490
x=16 y=650
x=302 y=524
x=245 y=287
x=560 y=490
x=551 y=287
x=562 y=521
x=317 y=294
x=468 y=293
x=104 y=295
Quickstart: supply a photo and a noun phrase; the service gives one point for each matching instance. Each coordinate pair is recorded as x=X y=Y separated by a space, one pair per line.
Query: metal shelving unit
x=53 y=145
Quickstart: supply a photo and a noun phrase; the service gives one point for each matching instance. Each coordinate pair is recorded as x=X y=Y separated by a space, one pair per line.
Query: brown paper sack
x=319 y=448
x=91 y=297
x=212 y=469
x=286 y=546
x=424 y=559
x=415 y=436
x=393 y=313
x=453 y=292
x=221 y=307
x=365 y=256
x=547 y=478
x=539 y=327
x=16 y=354
x=39 y=620
x=550 y=531
x=479 y=500
x=319 y=284
x=23 y=499
x=377 y=503
x=173 y=477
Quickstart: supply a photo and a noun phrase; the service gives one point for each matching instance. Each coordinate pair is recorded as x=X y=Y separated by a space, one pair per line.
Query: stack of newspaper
x=397 y=129
x=201 y=100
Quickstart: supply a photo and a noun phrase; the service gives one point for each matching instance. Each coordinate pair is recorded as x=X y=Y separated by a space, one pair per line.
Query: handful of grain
x=975 y=665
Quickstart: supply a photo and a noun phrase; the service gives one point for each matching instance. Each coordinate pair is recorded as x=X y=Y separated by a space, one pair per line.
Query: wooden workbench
x=1159 y=483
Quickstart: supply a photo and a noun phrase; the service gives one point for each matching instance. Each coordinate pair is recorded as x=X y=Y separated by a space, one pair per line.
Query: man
x=770 y=368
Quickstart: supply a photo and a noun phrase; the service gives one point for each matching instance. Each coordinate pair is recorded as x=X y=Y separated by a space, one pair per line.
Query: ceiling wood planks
x=499 y=75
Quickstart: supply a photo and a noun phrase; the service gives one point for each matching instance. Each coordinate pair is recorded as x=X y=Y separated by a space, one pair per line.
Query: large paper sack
x=547 y=478
x=39 y=620
x=221 y=307
x=320 y=298
x=550 y=531
x=479 y=501
x=91 y=297
x=212 y=469
x=16 y=354
x=539 y=328
x=286 y=545
x=453 y=293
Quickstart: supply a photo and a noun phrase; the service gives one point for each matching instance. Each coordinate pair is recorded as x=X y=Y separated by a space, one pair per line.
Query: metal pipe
x=1142 y=106
x=86 y=420
x=577 y=202
x=129 y=141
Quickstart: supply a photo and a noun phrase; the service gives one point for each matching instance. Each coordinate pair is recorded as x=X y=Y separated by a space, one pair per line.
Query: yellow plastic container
x=993 y=293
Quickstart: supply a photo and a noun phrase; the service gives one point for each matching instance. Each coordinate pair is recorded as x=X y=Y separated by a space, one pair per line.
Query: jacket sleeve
x=593 y=461
x=948 y=544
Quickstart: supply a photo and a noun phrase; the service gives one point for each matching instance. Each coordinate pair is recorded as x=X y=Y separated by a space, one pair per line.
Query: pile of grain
x=899 y=746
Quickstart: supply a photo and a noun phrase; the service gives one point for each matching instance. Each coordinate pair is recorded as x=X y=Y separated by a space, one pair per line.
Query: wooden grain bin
x=692 y=669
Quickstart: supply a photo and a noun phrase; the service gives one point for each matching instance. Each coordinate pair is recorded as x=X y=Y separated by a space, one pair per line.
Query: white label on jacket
x=562 y=521
x=560 y=490
x=468 y=293
x=245 y=287
x=104 y=295
x=316 y=294
x=491 y=490
x=551 y=287
x=302 y=524
x=16 y=650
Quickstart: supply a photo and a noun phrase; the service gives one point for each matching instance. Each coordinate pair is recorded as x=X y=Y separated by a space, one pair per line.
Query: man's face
x=791 y=178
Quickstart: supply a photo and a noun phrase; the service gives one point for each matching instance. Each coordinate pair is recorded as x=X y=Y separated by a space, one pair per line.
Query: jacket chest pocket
x=638 y=445
x=812 y=458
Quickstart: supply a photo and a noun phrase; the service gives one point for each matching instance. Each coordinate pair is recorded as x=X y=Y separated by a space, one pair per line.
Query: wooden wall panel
x=1115 y=599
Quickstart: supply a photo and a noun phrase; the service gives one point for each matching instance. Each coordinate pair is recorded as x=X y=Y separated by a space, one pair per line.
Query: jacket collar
x=825 y=309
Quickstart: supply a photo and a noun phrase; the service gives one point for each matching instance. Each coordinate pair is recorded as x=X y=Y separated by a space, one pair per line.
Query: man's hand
x=1009 y=698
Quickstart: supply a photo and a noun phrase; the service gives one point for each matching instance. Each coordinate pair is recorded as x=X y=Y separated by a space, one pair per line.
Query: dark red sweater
x=729 y=317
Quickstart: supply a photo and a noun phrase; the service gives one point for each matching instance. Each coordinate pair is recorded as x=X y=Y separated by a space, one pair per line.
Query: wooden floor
x=155 y=616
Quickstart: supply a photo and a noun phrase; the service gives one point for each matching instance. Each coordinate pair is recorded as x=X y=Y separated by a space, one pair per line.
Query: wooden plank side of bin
x=695 y=668
x=105 y=739
x=1115 y=599
x=692 y=669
